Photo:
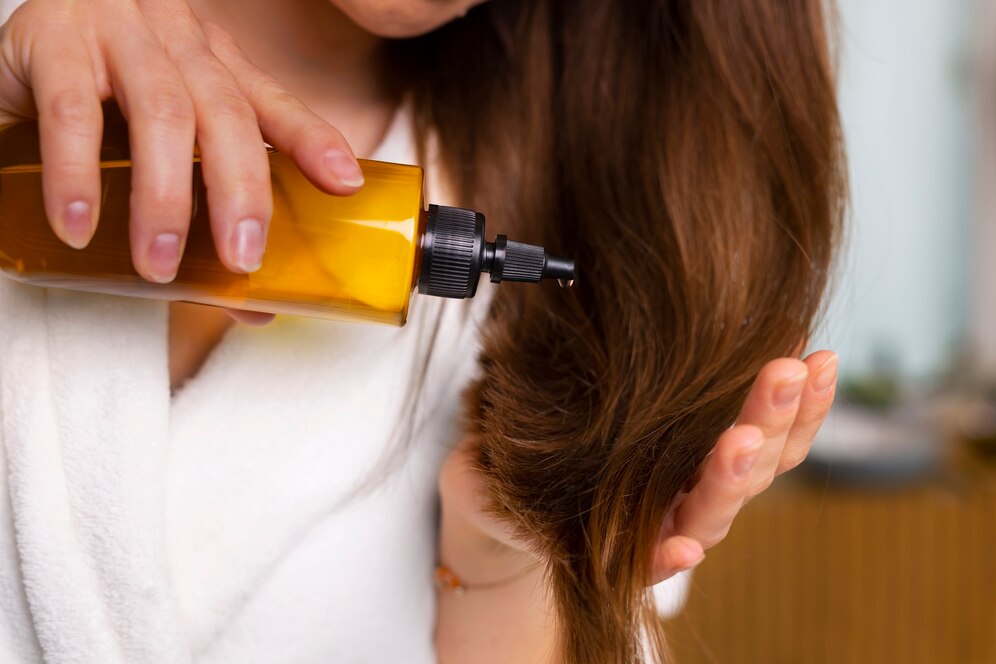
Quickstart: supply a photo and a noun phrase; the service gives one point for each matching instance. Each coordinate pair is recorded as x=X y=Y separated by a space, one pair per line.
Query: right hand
x=175 y=78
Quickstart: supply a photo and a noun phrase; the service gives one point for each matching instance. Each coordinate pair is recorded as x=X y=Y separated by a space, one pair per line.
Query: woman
x=686 y=153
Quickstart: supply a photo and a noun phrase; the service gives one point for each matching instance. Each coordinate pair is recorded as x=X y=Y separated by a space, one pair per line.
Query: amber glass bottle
x=358 y=257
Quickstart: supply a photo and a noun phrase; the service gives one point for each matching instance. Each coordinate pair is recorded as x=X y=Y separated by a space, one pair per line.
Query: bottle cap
x=455 y=253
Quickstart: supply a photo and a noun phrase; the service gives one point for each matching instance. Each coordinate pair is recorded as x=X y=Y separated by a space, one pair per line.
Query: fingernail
x=344 y=167
x=826 y=375
x=164 y=257
x=747 y=458
x=77 y=223
x=249 y=245
x=788 y=391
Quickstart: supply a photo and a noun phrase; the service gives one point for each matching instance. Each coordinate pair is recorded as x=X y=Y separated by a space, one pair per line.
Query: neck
x=315 y=51
x=327 y=62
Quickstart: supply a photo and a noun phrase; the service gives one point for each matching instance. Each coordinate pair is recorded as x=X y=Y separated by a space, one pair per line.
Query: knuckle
x=162 y=199
x=192 y=53
x=318 y=133
x=809 y=421
x=31 y=20
x=256 y=181
x=71 y=107
x=217 y=34
x=20 y=22
x=274 y=93
x=169 y=200
x=71 y=174
x=823 y=402
x=169 y=107
x=246 y=186
x=778 y=424
x=228 y=105
x=9 y=32
x=810 y=418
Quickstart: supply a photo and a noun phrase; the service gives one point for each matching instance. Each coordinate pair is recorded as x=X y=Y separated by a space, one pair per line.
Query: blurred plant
x=878 y=390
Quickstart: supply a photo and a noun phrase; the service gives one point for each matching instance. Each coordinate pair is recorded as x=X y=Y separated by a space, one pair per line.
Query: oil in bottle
x=357 y=257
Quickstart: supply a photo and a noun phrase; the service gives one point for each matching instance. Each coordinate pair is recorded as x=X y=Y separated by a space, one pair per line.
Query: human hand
x=176 y=79
x=773 y=433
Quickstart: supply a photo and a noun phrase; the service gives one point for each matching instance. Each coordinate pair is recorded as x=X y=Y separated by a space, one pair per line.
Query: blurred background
x=881 y=547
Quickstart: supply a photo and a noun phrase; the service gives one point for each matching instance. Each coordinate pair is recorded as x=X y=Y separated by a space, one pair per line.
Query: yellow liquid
x=338 y=257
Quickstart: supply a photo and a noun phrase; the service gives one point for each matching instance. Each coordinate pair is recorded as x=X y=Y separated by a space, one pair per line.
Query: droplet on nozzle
x=565 y=283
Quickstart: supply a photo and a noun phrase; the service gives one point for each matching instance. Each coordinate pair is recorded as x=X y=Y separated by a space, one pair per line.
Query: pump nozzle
x=455 y=253
x=508 y=260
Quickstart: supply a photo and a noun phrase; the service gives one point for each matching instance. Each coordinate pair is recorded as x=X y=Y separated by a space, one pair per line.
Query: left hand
x=773 y=433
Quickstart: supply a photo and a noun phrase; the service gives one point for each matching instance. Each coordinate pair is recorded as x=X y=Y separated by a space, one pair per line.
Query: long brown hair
x=688 y=154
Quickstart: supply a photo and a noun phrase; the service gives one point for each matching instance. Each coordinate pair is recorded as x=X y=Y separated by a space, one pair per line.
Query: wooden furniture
x=812 y=573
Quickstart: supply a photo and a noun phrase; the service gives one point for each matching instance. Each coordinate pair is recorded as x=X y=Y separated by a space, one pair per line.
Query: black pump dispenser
x=455 y=253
